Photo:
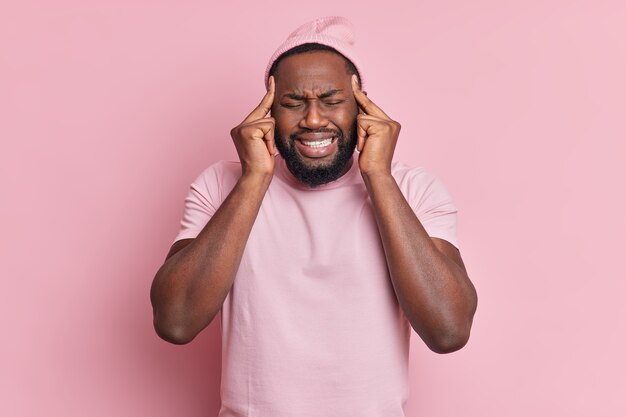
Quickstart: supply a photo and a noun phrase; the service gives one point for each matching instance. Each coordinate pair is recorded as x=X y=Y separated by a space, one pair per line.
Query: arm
x=428 y=275
x=191 y=286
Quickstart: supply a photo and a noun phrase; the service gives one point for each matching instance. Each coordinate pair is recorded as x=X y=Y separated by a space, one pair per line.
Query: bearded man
x=319 y=259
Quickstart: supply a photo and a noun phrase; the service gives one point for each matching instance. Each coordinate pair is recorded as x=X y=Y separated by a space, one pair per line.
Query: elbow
x=448 y=339
x=449 y=343
x=454 y=331
x=173 y=331
x=177 y=335
x=170 y=324
x=178 y=325
x=174 y=336
x=179 y=329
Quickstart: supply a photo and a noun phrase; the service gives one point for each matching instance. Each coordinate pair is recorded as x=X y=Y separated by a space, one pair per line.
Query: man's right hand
x=254 y=138
x=190 y=287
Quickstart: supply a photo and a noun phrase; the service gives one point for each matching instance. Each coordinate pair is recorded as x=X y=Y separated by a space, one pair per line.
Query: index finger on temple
x=264 y=106
x=365 y=103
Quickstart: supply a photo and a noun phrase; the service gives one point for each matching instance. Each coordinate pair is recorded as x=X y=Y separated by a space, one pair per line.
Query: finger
x=360 y=142
x=269 y=141
x=361 y=135
x=258 y=129
x=372 y=119
x=367 y=126
x=264 y=130
x=264 y=106
x=365 y=103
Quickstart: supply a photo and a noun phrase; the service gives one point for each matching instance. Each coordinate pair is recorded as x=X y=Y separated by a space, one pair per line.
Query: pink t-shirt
x=312 y=326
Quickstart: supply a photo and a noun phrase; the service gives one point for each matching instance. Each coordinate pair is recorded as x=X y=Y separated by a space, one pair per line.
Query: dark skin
x=308 y=99
x=314 y=90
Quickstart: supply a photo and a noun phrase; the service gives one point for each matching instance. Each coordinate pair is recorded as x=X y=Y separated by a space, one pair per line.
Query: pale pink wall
x=109 y=109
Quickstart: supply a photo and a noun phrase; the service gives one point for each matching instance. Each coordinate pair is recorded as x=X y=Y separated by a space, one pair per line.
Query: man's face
x=315 y=112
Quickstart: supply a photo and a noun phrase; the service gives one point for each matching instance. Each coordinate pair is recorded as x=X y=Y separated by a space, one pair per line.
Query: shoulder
x=218 y=177
x=429 y=199
x=419 y=185
x=218 y=173
x=404 y=173
x=216 y=181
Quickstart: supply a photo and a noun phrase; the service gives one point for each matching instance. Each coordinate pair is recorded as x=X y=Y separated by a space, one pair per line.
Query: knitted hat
x=333 y=31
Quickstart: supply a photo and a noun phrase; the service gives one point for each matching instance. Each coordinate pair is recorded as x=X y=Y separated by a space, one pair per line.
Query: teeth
x=317 y=143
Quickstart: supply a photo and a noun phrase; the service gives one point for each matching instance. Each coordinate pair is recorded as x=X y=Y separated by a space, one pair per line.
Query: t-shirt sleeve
x=204 y=198
x=432 y=204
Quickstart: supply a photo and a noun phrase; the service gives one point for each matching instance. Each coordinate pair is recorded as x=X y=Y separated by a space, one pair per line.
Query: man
x=319 y=259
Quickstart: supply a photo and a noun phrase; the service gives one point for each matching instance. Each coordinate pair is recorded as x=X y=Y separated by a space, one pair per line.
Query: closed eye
x=291 y=105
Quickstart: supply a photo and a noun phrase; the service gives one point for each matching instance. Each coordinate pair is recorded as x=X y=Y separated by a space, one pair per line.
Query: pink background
x=110 y=109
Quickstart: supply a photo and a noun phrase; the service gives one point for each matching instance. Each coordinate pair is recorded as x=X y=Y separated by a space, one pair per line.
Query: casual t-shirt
x=311 y=326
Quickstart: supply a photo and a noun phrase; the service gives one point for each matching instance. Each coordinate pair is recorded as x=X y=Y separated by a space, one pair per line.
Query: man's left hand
x=377 y=135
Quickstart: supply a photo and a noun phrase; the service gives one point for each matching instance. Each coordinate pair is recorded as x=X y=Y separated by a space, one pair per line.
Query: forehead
x=312 y=70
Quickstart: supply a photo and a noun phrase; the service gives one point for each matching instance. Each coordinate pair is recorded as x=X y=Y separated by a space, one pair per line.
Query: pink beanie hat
x=334 y=31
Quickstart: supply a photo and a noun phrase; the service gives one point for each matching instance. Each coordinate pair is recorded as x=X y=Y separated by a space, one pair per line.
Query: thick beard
x=317 y=175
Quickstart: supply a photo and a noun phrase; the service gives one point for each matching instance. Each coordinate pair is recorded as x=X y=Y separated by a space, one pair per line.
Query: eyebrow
x=326 y=94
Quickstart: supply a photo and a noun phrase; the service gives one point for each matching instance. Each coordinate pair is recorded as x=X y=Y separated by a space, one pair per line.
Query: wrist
x=378 y=174
x=378 y=180
x=255 y=180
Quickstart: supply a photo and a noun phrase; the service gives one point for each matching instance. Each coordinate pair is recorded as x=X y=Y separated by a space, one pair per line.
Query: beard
x=314 y=175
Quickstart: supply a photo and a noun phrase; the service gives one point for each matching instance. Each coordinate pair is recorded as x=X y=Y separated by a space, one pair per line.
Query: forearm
x=433 y=290
x=191 y=286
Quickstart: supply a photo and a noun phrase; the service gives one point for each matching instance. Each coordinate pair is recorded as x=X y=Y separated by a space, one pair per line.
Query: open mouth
x=318 y=143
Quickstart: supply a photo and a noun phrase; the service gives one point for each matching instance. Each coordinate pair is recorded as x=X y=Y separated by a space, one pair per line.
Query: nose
x=313 y=117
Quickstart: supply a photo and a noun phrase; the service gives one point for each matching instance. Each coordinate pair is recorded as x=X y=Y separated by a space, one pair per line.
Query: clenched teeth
x=317 y=143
